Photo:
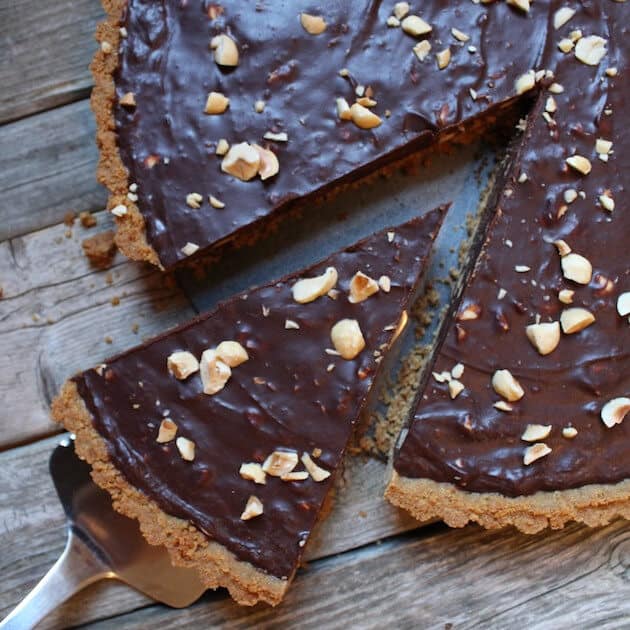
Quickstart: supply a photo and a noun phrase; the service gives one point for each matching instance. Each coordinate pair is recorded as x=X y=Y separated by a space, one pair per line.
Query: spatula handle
x=76 y=568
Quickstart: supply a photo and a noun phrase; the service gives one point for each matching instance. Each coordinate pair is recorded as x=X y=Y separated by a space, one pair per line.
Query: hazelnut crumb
x=253 y=508
x=167 y=431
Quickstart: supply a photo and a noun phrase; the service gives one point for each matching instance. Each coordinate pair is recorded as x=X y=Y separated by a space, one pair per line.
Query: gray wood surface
x=45 y=51
x=460 y=579
x=47 y=167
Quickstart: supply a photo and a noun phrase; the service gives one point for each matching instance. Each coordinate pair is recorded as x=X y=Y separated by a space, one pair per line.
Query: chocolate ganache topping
x=556 y=254
x=286 y=84
x=293 y=393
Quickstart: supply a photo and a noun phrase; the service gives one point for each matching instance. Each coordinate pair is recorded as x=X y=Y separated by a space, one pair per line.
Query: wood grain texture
x=47 y=167
x=32 y=535
x=459 y=579
x=46 y=49
x=56 y=314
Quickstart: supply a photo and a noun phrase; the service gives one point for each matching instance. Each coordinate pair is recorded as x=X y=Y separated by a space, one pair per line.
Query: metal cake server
x=101 y=544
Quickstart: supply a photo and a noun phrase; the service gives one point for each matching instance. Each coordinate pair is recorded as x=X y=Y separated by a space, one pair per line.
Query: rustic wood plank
x=468 y=578
x=56 y=316
x=47 y=167
x=32 y=534
x=46 y=49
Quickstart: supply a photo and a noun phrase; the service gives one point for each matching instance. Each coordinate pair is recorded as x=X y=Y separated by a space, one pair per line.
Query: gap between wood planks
x=46 y=49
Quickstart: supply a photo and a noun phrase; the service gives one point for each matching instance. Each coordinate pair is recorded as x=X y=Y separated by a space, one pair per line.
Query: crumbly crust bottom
x=187 y=546
x=425 y=500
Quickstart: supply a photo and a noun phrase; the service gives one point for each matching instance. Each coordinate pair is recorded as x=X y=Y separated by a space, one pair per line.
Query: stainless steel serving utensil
x=101 y=544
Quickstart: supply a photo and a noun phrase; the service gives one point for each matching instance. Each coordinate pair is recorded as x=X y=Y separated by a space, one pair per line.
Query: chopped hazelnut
x=313 y=24
x=253 y=472
x=190 y=248
x=216 y=203
x=225 y=50
x=442 y=377
x=459 y=35
x=253 y=508
x=242 y=161
x=422 y=49
x=343 y=109
x=299 y=475
x=569 y=432
x=623 y=304
x=127 y=100
x=415 y=26
x=214 y=372
x=536 y=432
x=607 y=202
x=574 y=320
x=276 y=137
x=507 y=386
x=458 y=370
x=534 y=452
x=385 y=284
x=232 y=353
x=393 y=21
x=525 y=82
x=289 y=324
x=280 y=463
x=167 y=431
x=363 y=118
x=562 y=247
x=216 y=103
x=614 y=411
x=472 y=311
x=523 y=5
x=222 y=147
x=181 y=364
x=544 y=337
x=315 y=471
x=576 y=268
x=501 y=405
x=268 y=166
x=186 y=448
x=566 y=45
x=361 y=288
x=566 y=296
x=455 y=388
x=562 y=16
x=309 y=289
x=603 y=146
x=347 y=338
x=119 y=210
x=194 y=200
x=401 y=9
x=443 y=58
x=590 y=50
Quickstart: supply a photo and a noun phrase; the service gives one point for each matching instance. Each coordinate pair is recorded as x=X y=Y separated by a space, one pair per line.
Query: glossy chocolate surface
x=467 y=441
x=284 y=397
x=165 y=60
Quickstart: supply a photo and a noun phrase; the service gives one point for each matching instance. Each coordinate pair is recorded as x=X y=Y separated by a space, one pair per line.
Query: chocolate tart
x=183 y=446
x=521 y=419
x=174 y=197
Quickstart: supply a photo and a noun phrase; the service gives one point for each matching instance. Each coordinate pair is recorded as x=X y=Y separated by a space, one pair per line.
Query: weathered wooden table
x=370 y=565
